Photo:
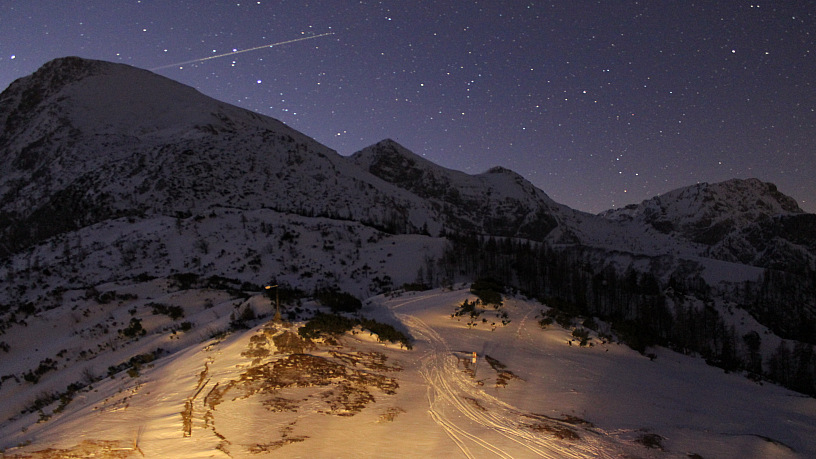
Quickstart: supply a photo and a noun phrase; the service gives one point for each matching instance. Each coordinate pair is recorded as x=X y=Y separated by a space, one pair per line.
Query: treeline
x=785 y=302
x=643 y=312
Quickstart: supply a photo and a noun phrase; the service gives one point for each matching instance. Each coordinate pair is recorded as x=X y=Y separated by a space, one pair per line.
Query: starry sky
x=598 y=103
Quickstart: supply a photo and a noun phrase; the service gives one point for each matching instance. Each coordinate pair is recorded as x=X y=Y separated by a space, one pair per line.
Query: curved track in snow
x=482 y=425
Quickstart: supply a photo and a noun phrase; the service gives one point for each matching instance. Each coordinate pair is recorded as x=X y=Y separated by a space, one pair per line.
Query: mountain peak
x=52 y=77
x=744 y=198
x=24 y=97
x=394 y=163
x=106 y=97
x=503 y=171
x=390 y=143
x=57 y=72
x=767 y=197
x=724 y=216
x=387 y=152
x=499 y=170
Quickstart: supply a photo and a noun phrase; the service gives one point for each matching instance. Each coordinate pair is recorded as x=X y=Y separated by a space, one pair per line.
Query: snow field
x=530 y=394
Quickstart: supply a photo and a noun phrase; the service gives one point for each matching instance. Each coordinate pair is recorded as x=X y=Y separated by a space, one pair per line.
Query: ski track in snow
x=476 y=421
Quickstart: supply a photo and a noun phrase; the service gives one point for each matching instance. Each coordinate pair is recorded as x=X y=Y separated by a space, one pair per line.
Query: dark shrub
x=651 y=440
x=415 y=287
x=339 y=301
x=633 y=335
x=134 y=329
x=386 y=332
x=467 y=308
x=174 y=312
x=488 y=290
x=561 y=317
x=240 y=322
x=331 y=324
x=545 y=322
x=582 y=334
x=184 y=281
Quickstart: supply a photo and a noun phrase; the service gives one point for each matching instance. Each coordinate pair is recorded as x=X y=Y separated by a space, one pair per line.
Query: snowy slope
x=532 y=392
x=248 y=246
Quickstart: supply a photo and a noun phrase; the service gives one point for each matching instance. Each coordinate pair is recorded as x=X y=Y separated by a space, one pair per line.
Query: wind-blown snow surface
x=531 y=393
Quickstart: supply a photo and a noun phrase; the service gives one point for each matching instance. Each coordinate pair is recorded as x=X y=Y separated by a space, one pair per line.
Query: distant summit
x=748 y=221
x=493 y=204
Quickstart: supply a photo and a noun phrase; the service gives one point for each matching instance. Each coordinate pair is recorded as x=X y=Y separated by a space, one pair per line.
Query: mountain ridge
x=90 y=122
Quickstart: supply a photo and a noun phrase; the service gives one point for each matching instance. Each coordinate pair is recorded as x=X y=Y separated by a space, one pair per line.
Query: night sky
x=599 y=104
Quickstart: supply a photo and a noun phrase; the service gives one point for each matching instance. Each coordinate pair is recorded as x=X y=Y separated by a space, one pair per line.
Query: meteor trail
x=239 y=52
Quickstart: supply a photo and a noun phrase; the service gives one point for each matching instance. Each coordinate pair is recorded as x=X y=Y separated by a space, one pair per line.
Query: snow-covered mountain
x=86 y=141
x=101 y=140
x=140 y=221
x=745 y=221
x=498 y=202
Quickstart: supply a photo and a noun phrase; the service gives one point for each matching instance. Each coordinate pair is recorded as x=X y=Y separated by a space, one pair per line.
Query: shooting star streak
x=177 y=64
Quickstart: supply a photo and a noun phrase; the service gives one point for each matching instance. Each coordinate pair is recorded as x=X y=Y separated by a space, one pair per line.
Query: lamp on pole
x=277 y=301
